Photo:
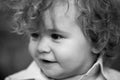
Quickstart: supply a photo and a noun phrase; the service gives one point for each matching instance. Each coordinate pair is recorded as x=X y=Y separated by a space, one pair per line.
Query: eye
x=35 y=35
x=56 y=36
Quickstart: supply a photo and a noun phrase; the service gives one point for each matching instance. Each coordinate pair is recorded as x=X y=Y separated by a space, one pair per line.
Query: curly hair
x=100 y=20
x=101 y=23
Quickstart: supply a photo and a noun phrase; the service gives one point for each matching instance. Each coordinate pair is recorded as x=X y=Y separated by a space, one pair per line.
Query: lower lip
x=47 y=64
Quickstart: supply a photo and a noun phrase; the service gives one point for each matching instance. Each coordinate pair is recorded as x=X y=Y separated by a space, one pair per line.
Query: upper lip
x=46 y=59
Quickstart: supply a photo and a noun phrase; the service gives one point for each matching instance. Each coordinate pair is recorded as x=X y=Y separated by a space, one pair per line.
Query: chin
x=56 y=75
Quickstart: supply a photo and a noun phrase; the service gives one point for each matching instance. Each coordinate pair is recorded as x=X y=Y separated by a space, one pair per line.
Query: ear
x=100 y=45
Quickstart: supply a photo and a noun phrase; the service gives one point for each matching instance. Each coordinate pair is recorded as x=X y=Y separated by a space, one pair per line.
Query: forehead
x=60 y=10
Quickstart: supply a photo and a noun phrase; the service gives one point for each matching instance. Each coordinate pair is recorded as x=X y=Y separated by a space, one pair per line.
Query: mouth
x=48 y=61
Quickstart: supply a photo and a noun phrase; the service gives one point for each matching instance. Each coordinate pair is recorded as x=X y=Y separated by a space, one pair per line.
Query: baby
x=69 y=39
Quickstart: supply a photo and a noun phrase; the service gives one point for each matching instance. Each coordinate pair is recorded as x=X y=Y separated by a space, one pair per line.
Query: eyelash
x=55 y=36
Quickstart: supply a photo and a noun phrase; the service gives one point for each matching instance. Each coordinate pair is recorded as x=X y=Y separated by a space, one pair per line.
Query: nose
x=43 y=46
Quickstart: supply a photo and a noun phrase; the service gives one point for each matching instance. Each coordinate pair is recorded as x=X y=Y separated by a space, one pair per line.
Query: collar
x=98 y=66
x=33 y=71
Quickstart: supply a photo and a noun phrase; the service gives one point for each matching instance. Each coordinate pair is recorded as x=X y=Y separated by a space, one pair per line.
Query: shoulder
x=112 y=74
x=32 y=72
x=17 y=75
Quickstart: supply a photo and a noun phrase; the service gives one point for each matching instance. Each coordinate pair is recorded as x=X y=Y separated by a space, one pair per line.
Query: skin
x=63 y=44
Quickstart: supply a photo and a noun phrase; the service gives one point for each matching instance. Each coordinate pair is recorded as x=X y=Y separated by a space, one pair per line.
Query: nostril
x=43 y=51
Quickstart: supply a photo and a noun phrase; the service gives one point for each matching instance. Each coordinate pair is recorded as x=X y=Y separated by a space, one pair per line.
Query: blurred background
x=14 y=54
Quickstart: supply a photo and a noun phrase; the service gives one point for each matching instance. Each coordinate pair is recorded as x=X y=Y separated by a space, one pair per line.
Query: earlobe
x=95 y=51
x=99 y=47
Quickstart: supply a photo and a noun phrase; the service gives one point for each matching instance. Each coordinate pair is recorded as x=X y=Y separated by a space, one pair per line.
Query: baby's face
x=62 y=51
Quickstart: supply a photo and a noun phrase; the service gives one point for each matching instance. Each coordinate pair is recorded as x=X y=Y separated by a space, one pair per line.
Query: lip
x=47 y=64
x=43 y=60
x=48 y=61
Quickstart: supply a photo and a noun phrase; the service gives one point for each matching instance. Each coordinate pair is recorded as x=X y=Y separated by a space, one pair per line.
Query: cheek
x=32 y=48
x=70 y=53
x=66 y=53
x=67 y=60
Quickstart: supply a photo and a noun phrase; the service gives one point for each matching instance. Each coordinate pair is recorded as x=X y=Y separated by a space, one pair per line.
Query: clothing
x=34 y=73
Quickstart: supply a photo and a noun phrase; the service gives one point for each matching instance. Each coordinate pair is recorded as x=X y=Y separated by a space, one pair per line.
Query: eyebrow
x=57 y=30
x=54 y=30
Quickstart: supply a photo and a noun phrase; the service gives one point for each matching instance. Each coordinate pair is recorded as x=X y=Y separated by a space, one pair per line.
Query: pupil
x=55 y=36
x=35 y=35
